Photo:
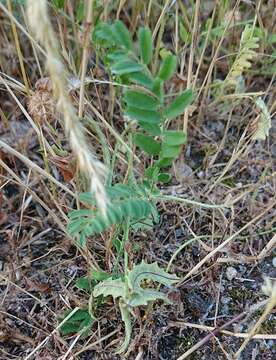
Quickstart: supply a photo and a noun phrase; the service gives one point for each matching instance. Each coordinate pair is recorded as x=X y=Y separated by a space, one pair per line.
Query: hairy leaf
x=146 y=295
x=141 y=78
x=104 y=31
x=158 y=88
x=145 y=44
x=264 y=123
x=179 y=104
x=153 y=129
x=149 y=272
x=169 y=151
x=145 y=116
x=115 y=288
x=168 y=67
x=147 y=143
x=140 y=100
x=125 y=67
x=122 y=34
x=128 y=328
x=172 y=137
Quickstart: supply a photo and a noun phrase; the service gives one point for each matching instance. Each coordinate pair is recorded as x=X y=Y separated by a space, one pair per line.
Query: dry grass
x=222 y=253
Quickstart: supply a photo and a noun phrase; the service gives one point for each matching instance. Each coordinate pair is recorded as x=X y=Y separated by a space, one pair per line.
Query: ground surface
x=39 y=263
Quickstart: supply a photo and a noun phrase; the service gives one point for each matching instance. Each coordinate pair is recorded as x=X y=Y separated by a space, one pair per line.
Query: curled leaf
x=115 y=288
x=150 y=272
x=264 y=123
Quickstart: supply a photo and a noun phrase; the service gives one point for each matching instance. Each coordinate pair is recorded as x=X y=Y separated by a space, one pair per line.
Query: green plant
x=143 y=102
x=144 y=98
x=80 y=322
x=134 y=202
x=131 y=294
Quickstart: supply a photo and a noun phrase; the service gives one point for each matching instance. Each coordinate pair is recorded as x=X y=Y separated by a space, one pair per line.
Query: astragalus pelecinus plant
x=143 y=102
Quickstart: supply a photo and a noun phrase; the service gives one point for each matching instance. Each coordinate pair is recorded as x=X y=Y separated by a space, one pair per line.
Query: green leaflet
x=140 y=100
x=147 y=143
x=125 y=67
x=169 y=151
x=185 y=36
x=158 y=89
x=104 y=32
x=122 y=34
x=58 y=3
x=121 y=191
x=153 y=129
x=168 y=67
x=145 y=44
x=146 y=116
x=179 y=104
x=84 y=283
x=172 y=137
x=141 y=78
x=117 y=56
x=164 y=178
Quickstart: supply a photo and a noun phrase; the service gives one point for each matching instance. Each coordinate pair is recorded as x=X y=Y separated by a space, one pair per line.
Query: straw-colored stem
x=18 y=49
x=87 y=29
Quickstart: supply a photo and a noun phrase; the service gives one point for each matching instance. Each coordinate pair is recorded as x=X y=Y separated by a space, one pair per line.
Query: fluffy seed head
x=41 y=26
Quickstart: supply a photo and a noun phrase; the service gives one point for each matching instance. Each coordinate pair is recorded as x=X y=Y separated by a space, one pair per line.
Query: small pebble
x=231 y=273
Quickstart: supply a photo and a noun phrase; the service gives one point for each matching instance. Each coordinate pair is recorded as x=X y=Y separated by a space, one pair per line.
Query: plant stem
x=87 y=30
x=126 y=233
x=192 y=202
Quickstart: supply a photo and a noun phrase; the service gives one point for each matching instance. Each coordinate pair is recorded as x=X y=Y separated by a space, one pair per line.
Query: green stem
x=126 y=237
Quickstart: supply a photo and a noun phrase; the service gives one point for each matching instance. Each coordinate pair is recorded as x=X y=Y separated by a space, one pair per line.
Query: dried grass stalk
x=41 y=26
